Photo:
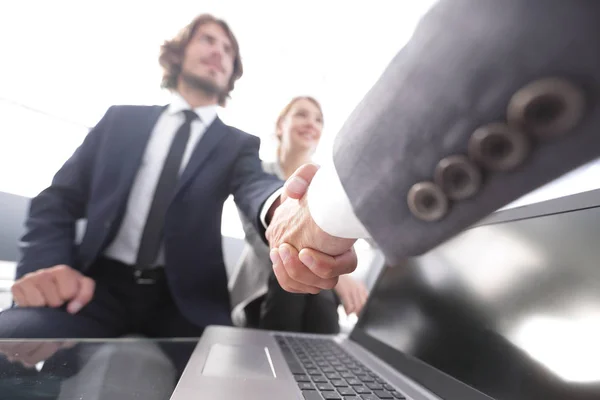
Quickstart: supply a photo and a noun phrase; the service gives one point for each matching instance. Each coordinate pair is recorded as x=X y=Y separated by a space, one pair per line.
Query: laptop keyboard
x=324 y=371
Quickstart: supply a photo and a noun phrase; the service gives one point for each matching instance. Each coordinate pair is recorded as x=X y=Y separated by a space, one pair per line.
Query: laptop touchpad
x=239 y=361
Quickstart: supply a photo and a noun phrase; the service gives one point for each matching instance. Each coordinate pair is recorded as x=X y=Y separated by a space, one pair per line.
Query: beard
x=202 y=84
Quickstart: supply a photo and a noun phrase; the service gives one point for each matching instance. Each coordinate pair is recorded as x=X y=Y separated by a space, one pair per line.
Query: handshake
x=305 y=258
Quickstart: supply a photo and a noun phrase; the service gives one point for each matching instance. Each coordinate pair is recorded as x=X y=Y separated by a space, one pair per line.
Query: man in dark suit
x=488 y=100
x=151 y=183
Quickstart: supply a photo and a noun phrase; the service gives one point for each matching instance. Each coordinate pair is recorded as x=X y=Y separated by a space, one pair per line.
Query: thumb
x=297 y=184
x=84 y=295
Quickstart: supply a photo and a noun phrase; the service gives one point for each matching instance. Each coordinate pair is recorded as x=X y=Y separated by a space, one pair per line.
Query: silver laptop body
x=501 y=311
x=232 y=363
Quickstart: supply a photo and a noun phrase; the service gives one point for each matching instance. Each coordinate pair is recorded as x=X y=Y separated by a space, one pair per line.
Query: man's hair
x=172 y=52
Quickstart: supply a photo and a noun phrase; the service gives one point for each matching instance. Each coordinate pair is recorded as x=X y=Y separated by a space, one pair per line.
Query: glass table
x=114 y=369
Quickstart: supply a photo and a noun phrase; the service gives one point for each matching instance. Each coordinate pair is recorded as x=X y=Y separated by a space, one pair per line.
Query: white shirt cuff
x=267 y=205
x=330 y=207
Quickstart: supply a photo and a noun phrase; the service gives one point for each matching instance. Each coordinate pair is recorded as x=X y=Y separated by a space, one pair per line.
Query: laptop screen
x=509 y=310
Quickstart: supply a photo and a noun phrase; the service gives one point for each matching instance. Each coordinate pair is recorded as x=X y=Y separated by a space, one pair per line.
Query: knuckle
x=65 y=272
x=324 y=273
x=26 y=280
x=54 y=302
x=37 y=301
x=59 y=269
x=281 y=279
x=284 y=282
x=86 y=296
x=17 y=284
x=294 y=273
x=67 y=289
x=287 y=288
x=89 y=282
x=44 y=278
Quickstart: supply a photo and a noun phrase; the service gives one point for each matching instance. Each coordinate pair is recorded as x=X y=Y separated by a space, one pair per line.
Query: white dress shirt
x=330 y=207
x=125 y=246
x=127 y=241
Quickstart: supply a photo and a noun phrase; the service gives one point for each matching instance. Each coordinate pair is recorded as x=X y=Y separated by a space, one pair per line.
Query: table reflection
x=130 y=368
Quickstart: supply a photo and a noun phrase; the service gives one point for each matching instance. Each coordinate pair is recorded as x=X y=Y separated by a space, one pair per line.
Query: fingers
x=364 y=296
x=298 y=272
x=34 y=296
x=357 y=301
x=345 y=291
x=74 y=287
x=47 y=285
x=359 y=294
x=310 y=271
x=287 y=283
x=27 y=294
x=84 y=295
x=29 y=353
x=297 y=184
x=67 y=280
x=42 y=352
x=18 y=295
x=349 y=304
x=325 y=266
x=353 y=294
x=52 y=287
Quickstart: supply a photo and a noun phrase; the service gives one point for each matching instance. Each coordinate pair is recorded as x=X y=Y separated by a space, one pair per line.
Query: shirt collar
x=207 y=114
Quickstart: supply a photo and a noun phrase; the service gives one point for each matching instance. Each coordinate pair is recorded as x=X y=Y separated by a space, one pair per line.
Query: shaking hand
x=322 y=258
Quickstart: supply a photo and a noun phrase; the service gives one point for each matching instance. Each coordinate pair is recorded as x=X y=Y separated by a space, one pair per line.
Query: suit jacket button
x=427 y=201
x=458 y=177
x=498 y=147
x=547 y=107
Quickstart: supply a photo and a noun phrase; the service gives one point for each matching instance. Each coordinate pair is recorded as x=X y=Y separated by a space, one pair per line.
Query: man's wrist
x=269 y=207
x=272 y=209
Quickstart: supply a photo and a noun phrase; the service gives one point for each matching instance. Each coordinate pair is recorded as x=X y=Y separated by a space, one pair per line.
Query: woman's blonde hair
x=286 y=110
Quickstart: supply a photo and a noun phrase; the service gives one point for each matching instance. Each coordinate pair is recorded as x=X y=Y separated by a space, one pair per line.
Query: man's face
x=208 y=59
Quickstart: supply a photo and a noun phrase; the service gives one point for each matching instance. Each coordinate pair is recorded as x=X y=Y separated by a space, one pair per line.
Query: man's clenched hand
x=53 y=287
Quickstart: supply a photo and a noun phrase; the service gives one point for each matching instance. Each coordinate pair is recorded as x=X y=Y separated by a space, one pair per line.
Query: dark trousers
x=120 y=306
x=292 y=312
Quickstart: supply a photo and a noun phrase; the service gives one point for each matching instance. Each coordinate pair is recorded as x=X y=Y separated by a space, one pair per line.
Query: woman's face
x=301 y=128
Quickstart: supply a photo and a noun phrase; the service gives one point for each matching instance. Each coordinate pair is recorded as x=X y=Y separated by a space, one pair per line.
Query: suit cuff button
x=427 y=201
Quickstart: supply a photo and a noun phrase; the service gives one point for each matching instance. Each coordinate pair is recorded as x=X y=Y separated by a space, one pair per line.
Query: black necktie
x=165 y=189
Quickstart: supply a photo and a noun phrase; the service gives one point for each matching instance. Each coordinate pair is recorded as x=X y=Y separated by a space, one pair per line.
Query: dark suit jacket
x=531 y=68
x=95 y=182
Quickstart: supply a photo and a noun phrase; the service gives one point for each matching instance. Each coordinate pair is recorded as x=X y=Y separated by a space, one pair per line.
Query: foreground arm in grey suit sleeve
x=489 y=100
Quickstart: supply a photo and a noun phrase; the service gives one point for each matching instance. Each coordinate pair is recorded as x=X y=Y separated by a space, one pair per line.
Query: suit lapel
x=214 y=133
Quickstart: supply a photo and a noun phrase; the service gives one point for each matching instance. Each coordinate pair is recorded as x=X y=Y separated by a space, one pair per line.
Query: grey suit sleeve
x=471 y=63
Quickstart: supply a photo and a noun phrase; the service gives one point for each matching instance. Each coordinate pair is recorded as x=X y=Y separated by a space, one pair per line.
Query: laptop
x=509 y=309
